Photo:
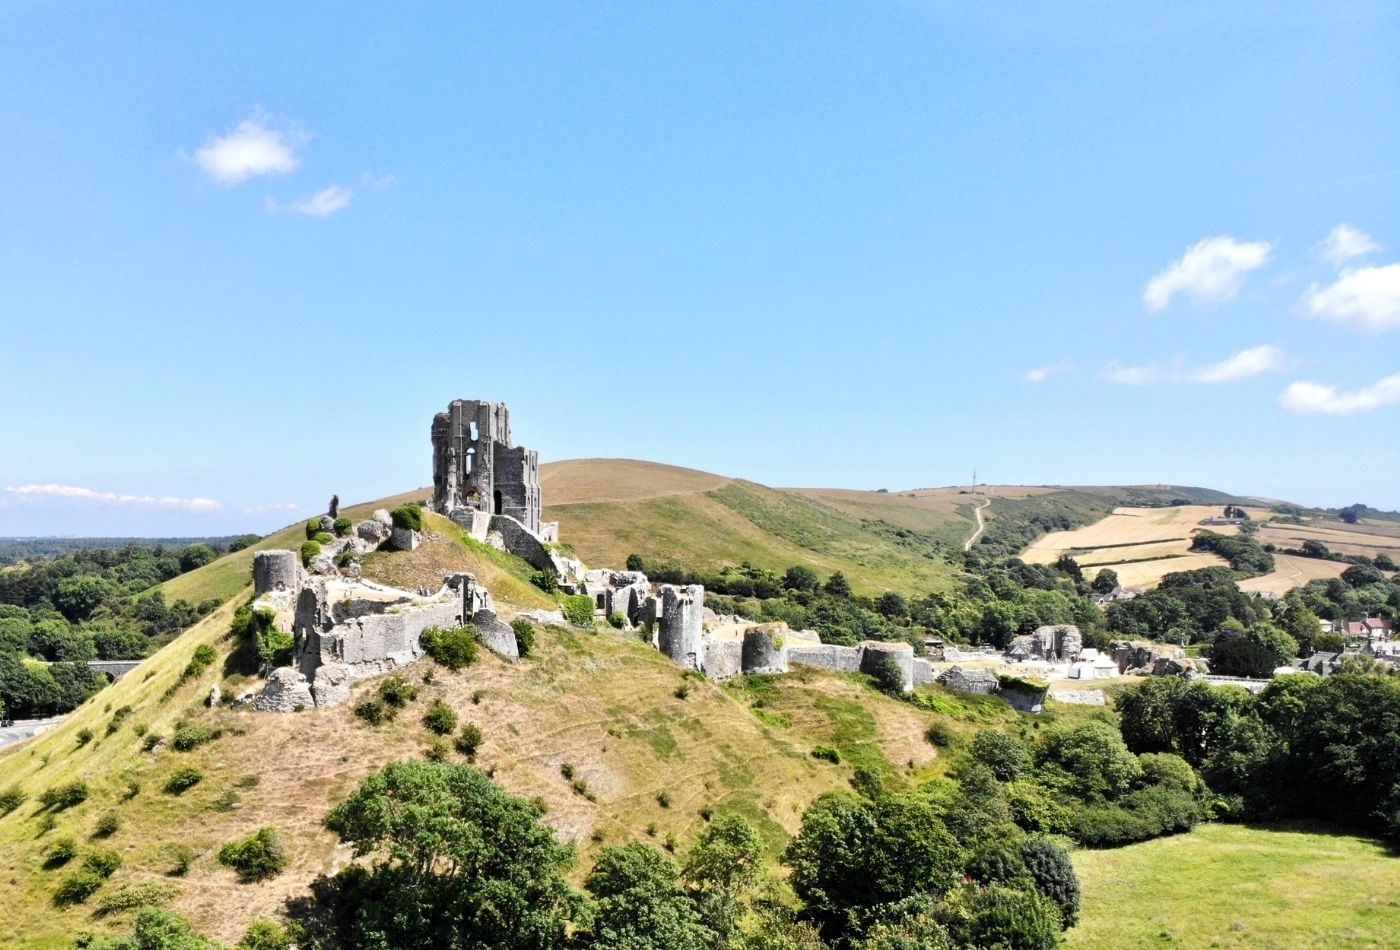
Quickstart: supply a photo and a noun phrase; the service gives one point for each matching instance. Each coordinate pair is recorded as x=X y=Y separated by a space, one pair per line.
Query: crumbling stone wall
x=681 y=624
x=826 y=656
x=875 y=654
x=276 y=570
x=765 y=650
x=722 y=659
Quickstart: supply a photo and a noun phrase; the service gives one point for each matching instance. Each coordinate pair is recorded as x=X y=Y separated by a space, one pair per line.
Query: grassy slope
x=603 y=702
x=1234 y=886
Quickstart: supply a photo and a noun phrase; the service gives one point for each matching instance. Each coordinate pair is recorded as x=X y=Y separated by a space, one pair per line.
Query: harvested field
x=1292 y=572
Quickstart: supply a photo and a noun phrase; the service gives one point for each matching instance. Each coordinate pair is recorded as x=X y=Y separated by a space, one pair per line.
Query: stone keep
x=476 y=467
x=681 y=624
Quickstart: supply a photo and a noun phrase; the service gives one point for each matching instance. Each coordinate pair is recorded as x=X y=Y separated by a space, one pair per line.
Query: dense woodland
x=58 y=613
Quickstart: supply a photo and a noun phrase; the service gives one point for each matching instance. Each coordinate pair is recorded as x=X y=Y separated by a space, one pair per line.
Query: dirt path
x=981 y=525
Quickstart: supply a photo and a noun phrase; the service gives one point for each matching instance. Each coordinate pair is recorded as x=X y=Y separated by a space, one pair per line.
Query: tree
x=54 y=640
x=1105 y=581
x=1091 y=759
x=1070 y=568
x=1257 y=652
x=1006 y=756
x=1351 y=514
x=119 y=644
x=838 y=586
x=854 y=856
x=892 y=604
x=1054 y=875
x=196 y=556
x=1360 y=575
x=1003 y=917
x=799 y=577
x=78 y=597
x=639 y=904
x=460 y=864
x=635 y=563
x=154 y=929
x=725 y=864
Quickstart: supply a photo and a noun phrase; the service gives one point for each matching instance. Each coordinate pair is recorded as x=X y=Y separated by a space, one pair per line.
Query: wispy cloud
x=77 y=493
x=1254 y=361
x=252 y=149
x=1212 y=269
x=1364 y=298
x=1317 y=397
x=318 y=204
x=1345 y=242
x=275 y=506
x=1041 y=374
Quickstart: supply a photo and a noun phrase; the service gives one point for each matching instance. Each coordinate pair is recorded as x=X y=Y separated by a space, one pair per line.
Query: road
x=981 y=525
x=24 y=729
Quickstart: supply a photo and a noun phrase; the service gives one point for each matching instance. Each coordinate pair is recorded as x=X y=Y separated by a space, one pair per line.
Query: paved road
x=26 y=728
x=981 y=525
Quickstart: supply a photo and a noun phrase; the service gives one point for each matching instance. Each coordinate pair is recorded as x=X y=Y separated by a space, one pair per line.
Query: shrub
x=408 y=516
x=1004 y=755
x=188 y=736
x=682 y=691
x=469 y=740
x=59 y=853
x=107 y=825
x=150 y=740
x=567 y=770
x=323 y=537
x=827 y=754
x=524 y=635
x=888 y=678
x=547 y=581
x=436 y=751
x=64 y=796
x=398 y=692
x=183 y=779
x=180 y=856
x=309 y=549
x=1005 y=917
x=578 y=610
x=372 y=711
x=313 y=528
x=117 y=719
x=133 y=788
x=136 y=894
x=453 y=647
x=343 y=526
x=1053 y=872
x=663 y=799
x=257 y=857
x=440 y=718
x=103 y=862
x=617 y=621
x=83 y=737
x=266 y=935
x=939 y=734
x=77 y=887
x=10 y=799
x=199 y=661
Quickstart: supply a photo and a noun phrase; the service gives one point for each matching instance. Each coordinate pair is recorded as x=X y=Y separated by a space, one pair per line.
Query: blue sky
x=249 y=249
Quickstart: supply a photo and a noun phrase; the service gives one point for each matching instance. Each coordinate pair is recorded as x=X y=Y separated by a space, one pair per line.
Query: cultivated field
x=1140 y=544
x=1339 y=537
x=1235 y=886
x=1290 y=572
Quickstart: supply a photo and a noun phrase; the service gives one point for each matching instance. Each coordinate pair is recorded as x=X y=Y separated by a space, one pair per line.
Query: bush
x=83 y=737
x=547 y=581
x=440 y=718
x=107 y=825
x=524 y=635
x=436 y=751
x=136 y=894
x=200 y=660
x=578 y=610
x=59 y=853
x=309 y=550
x=10 y=799
x=323 y=537
x=1005 y=756
x=64 y=796
x=343 y=526
x=827 y=754
x=663 y=799
x=104 y=863
x=266 y=935
x=372 y=711
x=617 y=621
x=469 y=740
x=77 y=887
x=150 y=740
x=180 y=856
x=453 y=647
x=408 y=516
x=888 y=678
x=183 y=779
x=397 y=692
x=188 y=736
x=257 y=857
x=940 y=735
x=313 y=528
x=1004 y=917
x=1053 y=873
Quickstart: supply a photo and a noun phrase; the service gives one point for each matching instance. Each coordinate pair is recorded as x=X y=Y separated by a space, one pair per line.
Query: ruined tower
x=477 y=468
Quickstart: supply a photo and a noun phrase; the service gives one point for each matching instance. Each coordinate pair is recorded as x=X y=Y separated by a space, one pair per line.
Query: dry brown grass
x=593 y=480
x=1291 y=572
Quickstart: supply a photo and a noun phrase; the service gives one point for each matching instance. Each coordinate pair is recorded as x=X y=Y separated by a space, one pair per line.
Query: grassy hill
x=602 y=702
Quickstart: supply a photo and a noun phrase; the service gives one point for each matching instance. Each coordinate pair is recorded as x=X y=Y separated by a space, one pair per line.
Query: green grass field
x=1237 y=886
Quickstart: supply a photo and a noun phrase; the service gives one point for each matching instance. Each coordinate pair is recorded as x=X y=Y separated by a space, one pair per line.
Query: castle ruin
x=478 y=471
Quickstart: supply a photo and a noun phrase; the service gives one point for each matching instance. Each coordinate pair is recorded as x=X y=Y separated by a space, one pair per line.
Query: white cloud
x=327 y=201
x=1242 y=365
x=1043 y=373
x=1365 y=299
x=76 y=493
x=1316 y=397
x=250 y=150
x=1213 y=269
x=275 y=506
x=1345 y=242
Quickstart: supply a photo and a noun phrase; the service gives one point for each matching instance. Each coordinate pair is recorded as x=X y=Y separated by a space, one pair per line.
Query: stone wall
x=875 y=654
x=476 y=466
x=723 y=659
x=276 y=570
x=520 y=542
x=681 y=624
x=827 y=656
x=765 y=650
